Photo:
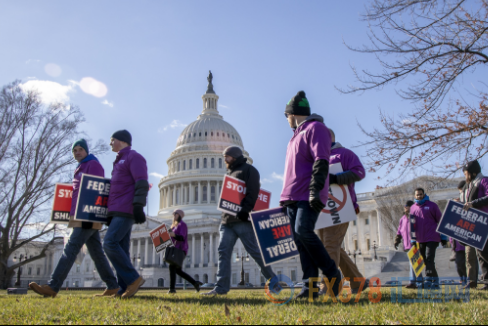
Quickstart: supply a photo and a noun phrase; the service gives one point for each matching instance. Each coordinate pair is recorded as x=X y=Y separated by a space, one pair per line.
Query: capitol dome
x=196 y=167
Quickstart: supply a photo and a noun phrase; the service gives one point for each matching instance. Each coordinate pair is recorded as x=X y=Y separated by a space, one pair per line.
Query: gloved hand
x=315 y=201
x=444 y=243
x=243 y=216
x=332 y=179
x=139 y=215
x=86 y=225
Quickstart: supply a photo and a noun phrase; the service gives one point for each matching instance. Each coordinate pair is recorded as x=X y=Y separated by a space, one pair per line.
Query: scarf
x=89 y=158
x=471 y=188
x=423 y=201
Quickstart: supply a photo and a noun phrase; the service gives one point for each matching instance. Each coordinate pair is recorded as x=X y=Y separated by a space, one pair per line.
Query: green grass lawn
x=239 y=307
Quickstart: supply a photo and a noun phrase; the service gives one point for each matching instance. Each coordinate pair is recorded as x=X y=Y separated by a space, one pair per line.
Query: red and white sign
x=339 y=209
x=234 y=191
x=63 y=196
x=161 y=238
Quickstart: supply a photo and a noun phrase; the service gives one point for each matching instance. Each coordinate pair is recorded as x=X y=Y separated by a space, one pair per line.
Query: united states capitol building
x=193 y=184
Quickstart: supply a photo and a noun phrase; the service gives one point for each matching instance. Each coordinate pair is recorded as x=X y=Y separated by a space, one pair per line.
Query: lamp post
x=374 y=249
x=138 y=258
x=19 y=271
x=242 y=257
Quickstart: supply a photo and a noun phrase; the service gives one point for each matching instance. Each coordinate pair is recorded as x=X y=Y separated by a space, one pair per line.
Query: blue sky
x=153 y=58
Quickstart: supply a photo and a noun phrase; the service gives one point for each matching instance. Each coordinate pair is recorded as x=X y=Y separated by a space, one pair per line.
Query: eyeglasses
x=286 y=115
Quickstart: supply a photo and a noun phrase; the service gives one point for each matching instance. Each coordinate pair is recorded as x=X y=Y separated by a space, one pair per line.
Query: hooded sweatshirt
x=427 y=217
x=129 y=167
x=89 y=165
x=349 y=162
x=404 y=232
x=181 y=231
x=311 y=142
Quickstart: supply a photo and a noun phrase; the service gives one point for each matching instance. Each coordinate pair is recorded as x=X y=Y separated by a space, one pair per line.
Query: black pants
x=173 y=270
x=461 y=264
x=427 y=250
x=483 y=260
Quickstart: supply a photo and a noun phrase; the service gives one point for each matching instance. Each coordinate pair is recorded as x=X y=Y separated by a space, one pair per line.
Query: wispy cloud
x=31 y=78
x=224 y=106
x=28 y=62
x=274 y=177
x=174 y=124
x=156 y=175
x=50 y=92
x=107 y=103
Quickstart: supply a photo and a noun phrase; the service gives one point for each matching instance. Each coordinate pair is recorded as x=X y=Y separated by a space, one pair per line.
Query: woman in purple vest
x=179 y=235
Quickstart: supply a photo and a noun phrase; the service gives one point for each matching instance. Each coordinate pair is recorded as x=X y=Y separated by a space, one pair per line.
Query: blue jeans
x=117 y=245
x=229 y=233
x=414 y=279
x=78 y=238
x=313 y=254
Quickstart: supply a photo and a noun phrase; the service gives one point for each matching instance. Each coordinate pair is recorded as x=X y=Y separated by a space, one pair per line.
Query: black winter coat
x=249 y=174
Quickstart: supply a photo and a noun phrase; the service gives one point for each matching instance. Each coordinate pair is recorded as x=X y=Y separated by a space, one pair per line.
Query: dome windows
x=205 y=134
x=190 y=165
x=205 y=163
x=220 y=163
x=212 y=163
x=198 y=163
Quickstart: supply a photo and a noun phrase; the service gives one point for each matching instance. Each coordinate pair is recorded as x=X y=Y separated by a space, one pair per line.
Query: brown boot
x=107 y=293
x=44 y=290
x=133 y=288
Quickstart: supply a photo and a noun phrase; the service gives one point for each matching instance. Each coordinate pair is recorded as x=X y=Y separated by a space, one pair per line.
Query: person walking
x=84 y=233
x=476 y=196
x=179 y=236
x=333 y=237
x=237 y=227
x=306 y=190
x=127 y=198
x=405 y=235
x=472 y=266
x=459 y=255
x=427 y=217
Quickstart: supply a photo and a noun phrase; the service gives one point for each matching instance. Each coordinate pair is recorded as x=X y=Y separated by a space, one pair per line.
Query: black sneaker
x=172 y=291
x=197 y=286
x=305 y=295
x=337 y=283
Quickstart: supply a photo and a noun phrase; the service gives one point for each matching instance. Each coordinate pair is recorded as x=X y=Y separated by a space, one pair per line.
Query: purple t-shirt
x=404 y=231
x=92 y=167
x=310 y=142
x=129 y=167
x=483 y=192
x=181 y=230
x=349 y=162
x=427 y=218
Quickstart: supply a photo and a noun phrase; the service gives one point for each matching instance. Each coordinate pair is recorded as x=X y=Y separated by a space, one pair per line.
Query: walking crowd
x=311 y=150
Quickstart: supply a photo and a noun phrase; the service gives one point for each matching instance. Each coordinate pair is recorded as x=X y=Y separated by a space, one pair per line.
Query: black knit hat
x=472 y=167
x=298 y=105
x=123 y=135
x=409 y=203
x=233 y=151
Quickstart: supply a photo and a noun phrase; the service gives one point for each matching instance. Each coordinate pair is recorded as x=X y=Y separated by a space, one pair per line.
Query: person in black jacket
x=239 y=227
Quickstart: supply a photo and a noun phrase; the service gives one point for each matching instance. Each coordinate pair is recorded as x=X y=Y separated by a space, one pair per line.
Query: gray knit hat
x=233 y=151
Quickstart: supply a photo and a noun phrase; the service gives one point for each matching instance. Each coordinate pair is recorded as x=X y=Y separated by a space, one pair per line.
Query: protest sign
x=92 y=199
x=161 y=238
x=63 y=194
x=339 y=209
x=469 y=227
x=234 y=191
x=274 y=234
x=416 y=260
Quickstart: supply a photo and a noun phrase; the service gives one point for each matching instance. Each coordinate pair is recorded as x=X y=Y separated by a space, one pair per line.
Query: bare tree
x=35 y=153
x=441 y=41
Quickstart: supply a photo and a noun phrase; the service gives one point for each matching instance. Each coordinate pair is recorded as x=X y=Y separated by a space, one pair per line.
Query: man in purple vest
x=333 y=237
x=84 y=233
x=476 y=196
x=128 y=195
x=305 y=190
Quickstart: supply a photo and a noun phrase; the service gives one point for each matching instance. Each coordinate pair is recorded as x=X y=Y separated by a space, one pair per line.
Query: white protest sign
x=339 y=209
